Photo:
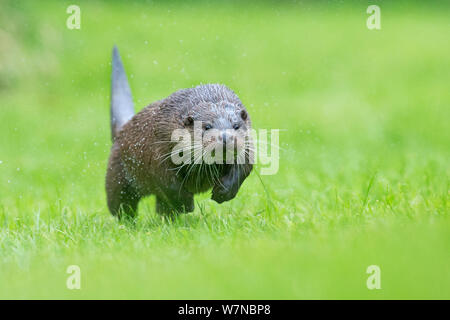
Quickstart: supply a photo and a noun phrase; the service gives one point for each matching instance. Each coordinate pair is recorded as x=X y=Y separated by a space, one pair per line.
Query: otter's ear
x=188 y=121
x=244 y=115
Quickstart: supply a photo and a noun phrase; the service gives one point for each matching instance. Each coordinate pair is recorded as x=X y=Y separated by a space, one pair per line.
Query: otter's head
x=220 y=129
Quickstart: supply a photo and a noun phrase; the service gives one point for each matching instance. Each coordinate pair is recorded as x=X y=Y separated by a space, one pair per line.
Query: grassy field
x=364 y=165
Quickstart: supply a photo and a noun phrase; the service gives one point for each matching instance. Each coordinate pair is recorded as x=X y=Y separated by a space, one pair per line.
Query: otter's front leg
x=230 y=183
x=173 y=198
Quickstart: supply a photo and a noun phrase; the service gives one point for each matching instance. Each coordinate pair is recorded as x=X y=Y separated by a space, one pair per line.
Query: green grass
x=364 y=165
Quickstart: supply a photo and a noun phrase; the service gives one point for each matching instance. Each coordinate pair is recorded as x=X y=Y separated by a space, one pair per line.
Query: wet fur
x=137 y=167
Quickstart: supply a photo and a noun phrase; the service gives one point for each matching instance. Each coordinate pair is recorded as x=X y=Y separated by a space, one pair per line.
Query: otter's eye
x=208 y=126
x=236 y=126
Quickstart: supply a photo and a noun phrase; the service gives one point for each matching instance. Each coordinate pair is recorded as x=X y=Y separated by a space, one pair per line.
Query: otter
x=140 y=162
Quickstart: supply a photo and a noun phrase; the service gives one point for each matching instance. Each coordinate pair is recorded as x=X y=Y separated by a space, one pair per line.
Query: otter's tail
x=122 y=108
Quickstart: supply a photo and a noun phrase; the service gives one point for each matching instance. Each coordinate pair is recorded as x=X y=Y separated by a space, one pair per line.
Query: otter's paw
x=220 y=194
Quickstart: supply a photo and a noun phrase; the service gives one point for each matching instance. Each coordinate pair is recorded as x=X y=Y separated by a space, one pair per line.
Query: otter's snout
x=225 y=137
x=228 y=141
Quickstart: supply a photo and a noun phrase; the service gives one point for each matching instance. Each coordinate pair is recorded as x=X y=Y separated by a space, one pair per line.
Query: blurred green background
x=364 y=164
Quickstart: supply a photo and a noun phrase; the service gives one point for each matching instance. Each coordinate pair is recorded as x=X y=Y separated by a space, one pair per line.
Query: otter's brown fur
x=137 y=167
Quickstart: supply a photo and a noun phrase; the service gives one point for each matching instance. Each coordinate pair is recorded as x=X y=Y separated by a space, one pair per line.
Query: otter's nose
x=227 y=139
x=224 y=138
